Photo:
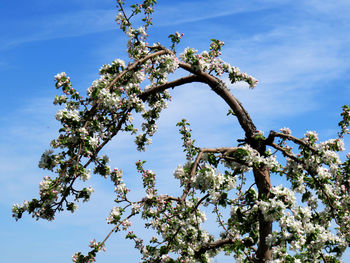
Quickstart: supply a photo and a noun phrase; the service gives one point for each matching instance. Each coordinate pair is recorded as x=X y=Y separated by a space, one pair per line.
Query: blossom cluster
x=281 y=198
x=209 y=61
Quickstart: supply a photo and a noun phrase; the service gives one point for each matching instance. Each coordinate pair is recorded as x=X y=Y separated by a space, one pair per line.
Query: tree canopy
x=259 y=222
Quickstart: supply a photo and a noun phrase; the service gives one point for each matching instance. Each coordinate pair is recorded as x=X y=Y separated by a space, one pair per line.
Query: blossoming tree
x=308 y=222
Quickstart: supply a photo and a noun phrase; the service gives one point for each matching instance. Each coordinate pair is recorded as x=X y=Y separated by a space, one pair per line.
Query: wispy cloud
x=83 y=22
x=24 y=134
x=340 y=10
x=69 y=24
x=293 y=60
x=196 y=11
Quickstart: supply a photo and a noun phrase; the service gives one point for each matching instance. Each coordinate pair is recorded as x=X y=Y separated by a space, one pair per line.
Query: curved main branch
x=220 y=88
x=172 y=84
x=262 y=174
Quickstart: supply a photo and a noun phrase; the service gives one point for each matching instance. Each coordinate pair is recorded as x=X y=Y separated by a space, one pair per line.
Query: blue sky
x=298 y=50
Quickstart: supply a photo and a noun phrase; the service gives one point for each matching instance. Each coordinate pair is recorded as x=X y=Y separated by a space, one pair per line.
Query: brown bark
x=262 y=180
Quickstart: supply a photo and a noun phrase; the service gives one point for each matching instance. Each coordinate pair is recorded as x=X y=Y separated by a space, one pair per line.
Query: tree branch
x=172 y=84
x=213 y=245
x=217 y=244
x=273 y=134
x=193 y=172
x=137 y=63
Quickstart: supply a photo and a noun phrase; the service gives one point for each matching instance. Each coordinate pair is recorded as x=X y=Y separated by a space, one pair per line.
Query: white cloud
x=92 y=20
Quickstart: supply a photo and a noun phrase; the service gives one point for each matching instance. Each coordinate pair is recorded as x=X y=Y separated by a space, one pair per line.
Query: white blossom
x=94 y=141
x=86 y=175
